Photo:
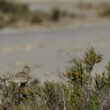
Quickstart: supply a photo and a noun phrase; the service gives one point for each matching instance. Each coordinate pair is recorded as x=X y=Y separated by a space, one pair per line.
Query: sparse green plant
x=81 y=92
x=35 y=18
x=7 y=6
x=55 y=14
x=105 y=12
x=80 y=78
x=16 y=13
x=2 y=22
x=73 y=15
x=12 y=12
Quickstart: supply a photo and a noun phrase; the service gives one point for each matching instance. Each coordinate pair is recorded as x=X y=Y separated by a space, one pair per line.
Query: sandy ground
x=47 y=50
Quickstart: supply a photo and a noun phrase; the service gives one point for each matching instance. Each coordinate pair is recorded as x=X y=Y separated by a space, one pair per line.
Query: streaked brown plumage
x=21 y=77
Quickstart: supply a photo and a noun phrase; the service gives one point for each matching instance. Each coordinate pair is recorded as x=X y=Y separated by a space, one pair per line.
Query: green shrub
x=14 y=11
x=35 y=18
x=2 y=22
x=55 y=14
x=73 y=15
x=14 y=8
x=105 y=12
x=81 y=92
x=80 y=78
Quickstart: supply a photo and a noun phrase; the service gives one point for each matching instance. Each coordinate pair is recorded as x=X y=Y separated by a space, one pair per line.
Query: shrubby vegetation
x=55 y=14
x=82 y=91
x=7 y=6
x=105 y=10
x=12 y=13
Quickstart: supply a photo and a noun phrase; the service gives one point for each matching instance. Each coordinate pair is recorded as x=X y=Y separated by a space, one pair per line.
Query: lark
x=21 y=78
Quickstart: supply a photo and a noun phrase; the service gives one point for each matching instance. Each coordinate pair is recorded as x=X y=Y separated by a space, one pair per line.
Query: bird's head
x=26 y=69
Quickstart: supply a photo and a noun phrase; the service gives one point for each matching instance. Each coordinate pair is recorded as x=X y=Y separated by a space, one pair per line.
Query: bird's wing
x=18 y=80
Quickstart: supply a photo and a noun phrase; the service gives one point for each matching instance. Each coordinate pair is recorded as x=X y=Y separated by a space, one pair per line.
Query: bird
x=21 y=78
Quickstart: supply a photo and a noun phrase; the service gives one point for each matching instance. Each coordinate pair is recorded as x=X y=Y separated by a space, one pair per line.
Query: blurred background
x=46 y=34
